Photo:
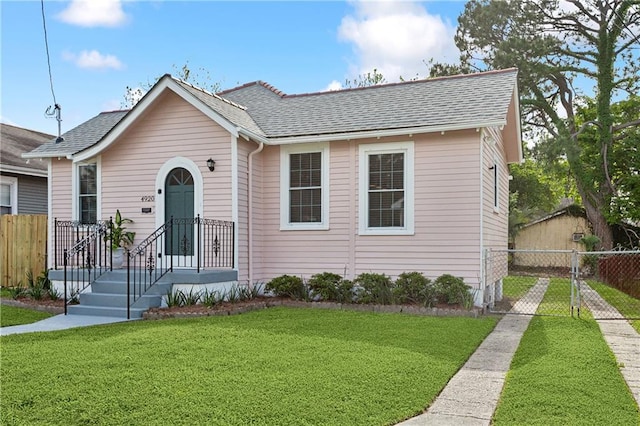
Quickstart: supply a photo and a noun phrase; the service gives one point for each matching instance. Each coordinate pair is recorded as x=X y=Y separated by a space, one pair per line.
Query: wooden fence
x=23 y=247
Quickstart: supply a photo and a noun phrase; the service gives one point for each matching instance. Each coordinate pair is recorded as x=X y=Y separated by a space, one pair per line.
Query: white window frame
x=75 y=201
x=407 y=148
x=285 y=152
x=13 y=191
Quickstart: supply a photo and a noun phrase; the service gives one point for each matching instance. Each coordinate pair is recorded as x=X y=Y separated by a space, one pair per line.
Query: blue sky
x=98 y=47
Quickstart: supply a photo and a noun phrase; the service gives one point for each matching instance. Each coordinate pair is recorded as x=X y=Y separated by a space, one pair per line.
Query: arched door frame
x=161 y=178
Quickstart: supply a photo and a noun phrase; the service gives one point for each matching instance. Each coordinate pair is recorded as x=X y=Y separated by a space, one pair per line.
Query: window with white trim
x=386 y=188
x=87 y=193
x=305 y=186
x=8 y=195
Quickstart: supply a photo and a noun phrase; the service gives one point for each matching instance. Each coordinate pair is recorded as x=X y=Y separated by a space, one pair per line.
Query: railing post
x=55 y=243
x=128 y=284
x=110 y=243
x=233 y=245
x=171 y=244
x=64 y=261
x=199 y=247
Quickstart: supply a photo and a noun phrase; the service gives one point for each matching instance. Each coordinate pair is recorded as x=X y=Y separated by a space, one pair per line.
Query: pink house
x=399 y=177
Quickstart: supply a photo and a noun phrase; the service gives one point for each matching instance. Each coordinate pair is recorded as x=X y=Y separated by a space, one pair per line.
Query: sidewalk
x=59 y=322
x=471 y=396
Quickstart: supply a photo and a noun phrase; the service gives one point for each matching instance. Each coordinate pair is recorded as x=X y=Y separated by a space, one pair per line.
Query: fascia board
x=23 y=171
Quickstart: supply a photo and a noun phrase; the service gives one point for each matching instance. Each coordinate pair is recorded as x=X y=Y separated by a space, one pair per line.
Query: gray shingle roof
x=81 y=137
x=447 y=101
x=15 y=141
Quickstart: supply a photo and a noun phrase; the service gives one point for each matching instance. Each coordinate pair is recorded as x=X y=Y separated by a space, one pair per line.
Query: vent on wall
x=577 y=236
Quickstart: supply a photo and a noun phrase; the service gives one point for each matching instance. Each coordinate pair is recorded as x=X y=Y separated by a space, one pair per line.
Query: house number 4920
x=148 y=198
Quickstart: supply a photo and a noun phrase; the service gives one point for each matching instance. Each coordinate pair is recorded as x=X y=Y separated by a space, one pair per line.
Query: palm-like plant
x=118 y=234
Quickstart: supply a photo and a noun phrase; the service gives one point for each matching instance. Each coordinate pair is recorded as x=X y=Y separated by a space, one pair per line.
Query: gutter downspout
x=250 y=211
x=482 y=283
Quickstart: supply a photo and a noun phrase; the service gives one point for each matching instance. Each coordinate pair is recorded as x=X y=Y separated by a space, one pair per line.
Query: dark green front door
x=179 y=206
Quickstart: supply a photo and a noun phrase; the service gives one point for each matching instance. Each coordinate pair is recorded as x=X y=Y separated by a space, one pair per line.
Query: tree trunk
x=600 y=226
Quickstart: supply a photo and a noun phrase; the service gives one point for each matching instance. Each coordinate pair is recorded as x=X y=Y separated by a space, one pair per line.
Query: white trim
x=50 y=242
x=161 y=177
x=165 y=83
x=75 y=190
x=22 y=170
x=409 y=158
x=516 y=99
x=285 y=152
x=481 y=197
x=234 y=197
x=408 y=131
x=13 y=191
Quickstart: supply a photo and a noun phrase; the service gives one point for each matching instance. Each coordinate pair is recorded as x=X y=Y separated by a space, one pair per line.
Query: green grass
x=625 y=304
x=11 y=315
x=514 y=287
x=273 y=367
x=563 y=373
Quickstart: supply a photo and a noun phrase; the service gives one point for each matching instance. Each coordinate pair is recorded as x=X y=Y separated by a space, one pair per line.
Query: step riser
x=103 y=312
x=118 y=301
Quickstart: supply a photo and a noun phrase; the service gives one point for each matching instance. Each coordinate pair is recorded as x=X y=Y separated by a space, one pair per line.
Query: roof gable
x=15 y=141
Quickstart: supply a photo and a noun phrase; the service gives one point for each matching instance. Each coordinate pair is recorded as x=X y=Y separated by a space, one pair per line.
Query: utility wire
x=46 y=44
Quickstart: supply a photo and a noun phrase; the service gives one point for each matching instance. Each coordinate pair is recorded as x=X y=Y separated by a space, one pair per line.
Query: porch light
x=211 y=164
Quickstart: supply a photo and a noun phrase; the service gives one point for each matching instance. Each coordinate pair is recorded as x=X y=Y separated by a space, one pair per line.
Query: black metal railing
x=86 y=260
x=183 y=243
x=68 y=233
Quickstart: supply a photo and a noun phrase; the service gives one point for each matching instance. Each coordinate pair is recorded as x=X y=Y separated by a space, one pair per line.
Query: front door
x=179 y=206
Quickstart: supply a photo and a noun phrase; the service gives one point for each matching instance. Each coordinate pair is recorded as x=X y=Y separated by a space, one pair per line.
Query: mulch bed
x=44 y=305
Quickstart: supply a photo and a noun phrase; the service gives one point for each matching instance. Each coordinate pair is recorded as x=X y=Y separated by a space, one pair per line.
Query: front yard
x=276 y=366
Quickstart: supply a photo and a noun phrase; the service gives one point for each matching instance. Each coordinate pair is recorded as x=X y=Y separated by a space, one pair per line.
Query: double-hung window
x=304 y=180
x=8 y=195
x=87 y=193
x=386 y=188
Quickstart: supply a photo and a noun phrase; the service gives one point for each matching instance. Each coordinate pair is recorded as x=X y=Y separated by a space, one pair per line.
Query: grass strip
x=11 y=315
x=514 y=287
x=274 y=367
x=564 y=373
x=625 y=304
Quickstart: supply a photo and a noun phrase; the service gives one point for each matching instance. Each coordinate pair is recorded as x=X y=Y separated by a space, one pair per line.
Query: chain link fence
x=599 y=285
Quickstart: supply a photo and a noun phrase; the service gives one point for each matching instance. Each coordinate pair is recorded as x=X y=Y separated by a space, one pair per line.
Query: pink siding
x=447 y=232
x=170 y=129
x=495 y=223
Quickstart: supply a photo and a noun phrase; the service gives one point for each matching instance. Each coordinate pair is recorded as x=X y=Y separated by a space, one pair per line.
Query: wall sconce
x=211 y=164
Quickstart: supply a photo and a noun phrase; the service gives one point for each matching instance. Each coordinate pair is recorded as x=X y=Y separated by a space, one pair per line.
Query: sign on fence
x=23 y=247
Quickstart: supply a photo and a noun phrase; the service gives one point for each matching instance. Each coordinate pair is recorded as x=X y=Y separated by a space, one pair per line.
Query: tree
x=592 y=41
x=201 y=78
x=365 y=80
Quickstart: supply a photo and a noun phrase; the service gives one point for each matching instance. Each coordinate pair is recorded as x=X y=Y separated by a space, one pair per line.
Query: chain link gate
x=599 y=285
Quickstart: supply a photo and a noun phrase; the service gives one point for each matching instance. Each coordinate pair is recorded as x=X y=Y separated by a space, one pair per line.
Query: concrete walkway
x=59 y=322
x=623 y=339
x=471 y=396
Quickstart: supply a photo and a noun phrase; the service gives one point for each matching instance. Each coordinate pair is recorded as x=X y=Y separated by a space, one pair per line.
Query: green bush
x=288 y=286
x=211 y=298
x=175 y=299
x=451 y=290
x=374 y=288
x=413 y=287
x=345 y=291
x=325 y=285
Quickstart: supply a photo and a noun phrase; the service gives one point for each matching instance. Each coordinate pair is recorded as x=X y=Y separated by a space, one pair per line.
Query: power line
x=46 y=44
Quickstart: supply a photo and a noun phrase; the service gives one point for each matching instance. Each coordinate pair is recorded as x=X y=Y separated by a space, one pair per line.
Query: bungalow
x=398 y=177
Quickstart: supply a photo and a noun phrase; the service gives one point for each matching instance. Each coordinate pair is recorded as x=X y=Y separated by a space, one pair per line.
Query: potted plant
x=120 y=238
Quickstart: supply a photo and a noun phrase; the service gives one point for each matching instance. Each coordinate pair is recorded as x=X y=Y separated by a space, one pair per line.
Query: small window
x=496 y=188
x=8 y=195
x=386 y=188
x=304 y=181
x=87 y=194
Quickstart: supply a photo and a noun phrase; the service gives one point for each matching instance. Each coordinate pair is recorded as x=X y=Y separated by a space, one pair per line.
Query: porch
x=186 y=250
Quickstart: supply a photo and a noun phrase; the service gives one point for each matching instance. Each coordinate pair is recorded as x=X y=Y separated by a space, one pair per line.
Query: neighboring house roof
x=260 y=112
x=571 y=210
x=15 y=141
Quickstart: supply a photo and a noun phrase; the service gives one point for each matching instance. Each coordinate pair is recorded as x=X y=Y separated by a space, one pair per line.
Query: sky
x=99 y=47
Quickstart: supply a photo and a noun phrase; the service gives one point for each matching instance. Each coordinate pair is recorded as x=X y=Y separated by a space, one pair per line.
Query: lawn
x=515 y=286
x=564 y=373
x=272 y=367
x=11 y=315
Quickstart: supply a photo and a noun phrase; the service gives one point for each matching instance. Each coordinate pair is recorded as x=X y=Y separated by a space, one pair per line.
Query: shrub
x=192 y=298
x=413 y=287
x=374 y=288
x=16 y=292
x=211 y=298
x=345 y=292
x=38 y=286
x=288 y=286
x=53 y=293
x=451 y=290
x=175 y=298
x=325 y=285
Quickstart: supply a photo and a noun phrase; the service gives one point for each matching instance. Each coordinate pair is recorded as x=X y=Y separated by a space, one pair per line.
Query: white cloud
x=92 y=59
x=94 y=13
x=395 y=37
x=334 y=85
